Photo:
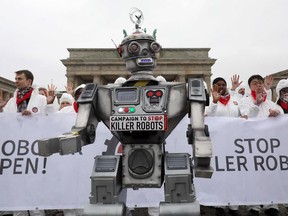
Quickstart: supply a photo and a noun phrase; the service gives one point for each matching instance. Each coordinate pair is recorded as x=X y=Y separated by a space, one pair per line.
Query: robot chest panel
x=139 y=108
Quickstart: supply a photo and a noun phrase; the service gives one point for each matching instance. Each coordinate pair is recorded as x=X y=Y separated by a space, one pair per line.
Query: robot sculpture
x=141 y=113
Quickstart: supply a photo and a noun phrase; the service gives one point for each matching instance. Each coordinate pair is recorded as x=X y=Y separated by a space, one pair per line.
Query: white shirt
x=219 y=109
x=247 y=107
x=37 y=103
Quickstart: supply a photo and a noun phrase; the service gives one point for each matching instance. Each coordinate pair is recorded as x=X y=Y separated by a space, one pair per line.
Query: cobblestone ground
x=210 y=211
x=205 y=211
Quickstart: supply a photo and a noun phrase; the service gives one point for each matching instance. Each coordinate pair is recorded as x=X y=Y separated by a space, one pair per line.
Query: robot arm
x=82 y=133
x=197 y=133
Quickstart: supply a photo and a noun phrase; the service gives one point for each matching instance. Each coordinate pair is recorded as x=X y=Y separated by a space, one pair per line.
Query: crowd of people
x=248 y=103
x=236 y=101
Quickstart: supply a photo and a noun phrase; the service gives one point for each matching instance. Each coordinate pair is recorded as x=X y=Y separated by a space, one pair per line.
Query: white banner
x=250 y=162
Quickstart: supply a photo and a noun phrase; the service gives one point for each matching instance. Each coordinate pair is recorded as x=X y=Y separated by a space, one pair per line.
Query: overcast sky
x=245 y=36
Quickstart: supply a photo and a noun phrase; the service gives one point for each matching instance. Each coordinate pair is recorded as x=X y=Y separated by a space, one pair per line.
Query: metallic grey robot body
x=141 y=112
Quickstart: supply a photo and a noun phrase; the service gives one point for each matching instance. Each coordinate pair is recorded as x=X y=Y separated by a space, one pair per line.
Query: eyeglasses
x=257 y=82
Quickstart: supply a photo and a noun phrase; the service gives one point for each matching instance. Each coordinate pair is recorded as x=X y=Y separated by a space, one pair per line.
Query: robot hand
x=65 y=144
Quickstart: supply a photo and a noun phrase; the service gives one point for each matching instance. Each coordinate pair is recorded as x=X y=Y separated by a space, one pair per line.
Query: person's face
x=78 y=93
x=222 y=87
x=257 y=85
x=284 y=94
x=64 y=104
x=21 y=82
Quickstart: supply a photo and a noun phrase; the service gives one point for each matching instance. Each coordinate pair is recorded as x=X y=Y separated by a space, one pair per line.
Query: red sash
x=283 y=105
x=224 y=100
x=25 y=97
x=75 y=105
x=253 y=94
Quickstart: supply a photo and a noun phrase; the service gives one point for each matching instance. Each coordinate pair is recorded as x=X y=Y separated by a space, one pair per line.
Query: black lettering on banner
x=34 y=146
x=33 y=166
x=229 y=163
x=265 y=146
x=217 y=165
x=5 y=163
x=249 y=144
x=241 y=162
x=5 y=148
x=283 y=162
x=236 y=142
x=258 y=162
x=21 y=164
x=17 y=163
x=23 y=147
x=271 y=164
x=276 y=145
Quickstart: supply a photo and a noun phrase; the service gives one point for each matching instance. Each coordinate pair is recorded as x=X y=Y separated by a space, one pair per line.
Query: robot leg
x=107 y=197
x=179 y=191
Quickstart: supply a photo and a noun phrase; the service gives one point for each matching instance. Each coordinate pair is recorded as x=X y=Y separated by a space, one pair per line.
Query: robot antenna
x=136 y=17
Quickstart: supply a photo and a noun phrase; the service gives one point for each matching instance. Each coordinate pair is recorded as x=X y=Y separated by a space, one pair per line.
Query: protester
x=224 y=104
x=282 y=94
x=75 y=93
x=257 y=105
x=66 y=102
x=28 y=101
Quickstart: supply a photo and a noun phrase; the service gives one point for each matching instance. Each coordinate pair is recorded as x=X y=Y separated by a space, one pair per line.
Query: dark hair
x=256 y=76
x=218 y=79
x=28 y=74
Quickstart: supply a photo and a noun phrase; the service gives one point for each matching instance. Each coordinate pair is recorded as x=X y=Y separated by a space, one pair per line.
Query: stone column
x=207 y=79
x=181 y=78
x=98 y=79
x=71 y=79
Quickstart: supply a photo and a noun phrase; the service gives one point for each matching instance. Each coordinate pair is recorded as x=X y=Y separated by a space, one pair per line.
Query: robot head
x=139 y=50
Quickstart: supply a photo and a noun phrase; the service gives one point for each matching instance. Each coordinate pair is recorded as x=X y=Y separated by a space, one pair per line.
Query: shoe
x=233 y=212
x=253 y=213
x=272 y=212
x=220 y=212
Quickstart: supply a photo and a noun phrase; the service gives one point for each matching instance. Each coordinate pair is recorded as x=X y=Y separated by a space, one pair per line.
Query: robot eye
x=134 y=47
x=155 y=47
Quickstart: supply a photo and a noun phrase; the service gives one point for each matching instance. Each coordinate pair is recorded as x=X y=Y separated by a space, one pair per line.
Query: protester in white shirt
x=223 y=104
x=27 y=101
x=66 y=102
x=257 y=105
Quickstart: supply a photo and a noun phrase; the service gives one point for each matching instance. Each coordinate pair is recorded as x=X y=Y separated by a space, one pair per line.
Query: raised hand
x=51 y=93
x=69 y=88
x=235 y=82
x=268 y=81
x=215 y=93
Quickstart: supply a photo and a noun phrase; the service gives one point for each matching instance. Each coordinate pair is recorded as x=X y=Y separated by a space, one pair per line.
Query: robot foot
x=117 y=209
x=183 y=209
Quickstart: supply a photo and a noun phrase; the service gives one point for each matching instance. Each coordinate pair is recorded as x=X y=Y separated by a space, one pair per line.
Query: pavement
x=205 y=211
x=209 y=211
